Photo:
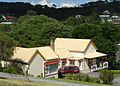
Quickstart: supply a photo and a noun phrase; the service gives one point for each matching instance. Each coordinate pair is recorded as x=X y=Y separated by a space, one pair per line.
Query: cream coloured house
x=45 y=61
x=41 y=61
x=80 y=52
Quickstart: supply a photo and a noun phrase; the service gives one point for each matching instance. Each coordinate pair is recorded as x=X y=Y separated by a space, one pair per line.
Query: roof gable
x=27 y=54
x=72 y=44
x=24 y=54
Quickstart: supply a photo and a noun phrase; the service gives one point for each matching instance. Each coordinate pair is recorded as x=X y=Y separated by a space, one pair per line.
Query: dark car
x=67 y=70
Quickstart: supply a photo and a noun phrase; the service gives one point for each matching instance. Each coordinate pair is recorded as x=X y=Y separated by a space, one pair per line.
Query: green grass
x=80 y=82
x=12 y=82
x=116 y=72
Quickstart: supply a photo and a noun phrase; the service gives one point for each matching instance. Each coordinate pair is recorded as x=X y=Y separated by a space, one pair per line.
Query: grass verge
x=12 y=82
x=80 y=82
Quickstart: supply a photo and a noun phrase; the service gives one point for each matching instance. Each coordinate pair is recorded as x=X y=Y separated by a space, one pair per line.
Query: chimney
x=52 y=45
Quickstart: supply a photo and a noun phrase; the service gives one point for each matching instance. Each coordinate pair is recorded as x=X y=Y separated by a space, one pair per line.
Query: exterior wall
x=37 y=66
x=86 y=67
x=90 y=49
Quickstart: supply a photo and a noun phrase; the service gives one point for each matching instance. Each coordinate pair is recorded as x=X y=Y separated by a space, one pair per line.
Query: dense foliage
x=7 y=45
x=106 y=37
x=38 y=31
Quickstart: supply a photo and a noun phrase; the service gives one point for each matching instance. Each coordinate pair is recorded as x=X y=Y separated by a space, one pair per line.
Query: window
x=63 y=63
x=53 y=68
x=72 y=62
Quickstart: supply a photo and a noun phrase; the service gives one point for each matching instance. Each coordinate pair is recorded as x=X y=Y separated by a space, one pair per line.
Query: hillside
x=20 y=9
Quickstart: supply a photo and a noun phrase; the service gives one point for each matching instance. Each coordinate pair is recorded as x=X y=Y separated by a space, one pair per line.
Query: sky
x=59 y=3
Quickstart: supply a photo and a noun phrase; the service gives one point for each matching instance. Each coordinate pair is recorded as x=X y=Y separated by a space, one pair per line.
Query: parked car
x=67 y=70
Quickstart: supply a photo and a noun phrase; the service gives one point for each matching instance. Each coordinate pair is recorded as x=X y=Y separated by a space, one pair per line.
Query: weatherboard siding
x=37 y=66
x=90 y=49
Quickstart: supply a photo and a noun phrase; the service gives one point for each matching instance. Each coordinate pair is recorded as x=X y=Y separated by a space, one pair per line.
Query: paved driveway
x=20 y=77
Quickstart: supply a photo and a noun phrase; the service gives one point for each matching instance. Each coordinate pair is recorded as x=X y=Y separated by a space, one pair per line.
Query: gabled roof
x=72 y=44
x=47 y=53
x=26 y=54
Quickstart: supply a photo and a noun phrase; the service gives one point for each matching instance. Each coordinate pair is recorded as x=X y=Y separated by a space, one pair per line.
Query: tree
x=71 y=21
x=38 y=31
x=31 y=12
x=7 y=45
x=106 y=37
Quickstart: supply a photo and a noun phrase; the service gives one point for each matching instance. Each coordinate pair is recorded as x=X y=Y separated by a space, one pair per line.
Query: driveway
x=21 y=77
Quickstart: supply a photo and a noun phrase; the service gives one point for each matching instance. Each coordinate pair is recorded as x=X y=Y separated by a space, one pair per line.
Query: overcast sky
x=60 y=3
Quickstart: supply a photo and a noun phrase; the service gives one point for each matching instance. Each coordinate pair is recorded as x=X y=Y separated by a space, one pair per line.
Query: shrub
x=10 y=70
x=106 y=76
x=69 y=76
x=94 y=80
x=78 y=77
x=84 y=78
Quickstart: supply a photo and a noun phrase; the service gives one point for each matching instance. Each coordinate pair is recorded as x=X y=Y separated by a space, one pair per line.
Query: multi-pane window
x=51 y=68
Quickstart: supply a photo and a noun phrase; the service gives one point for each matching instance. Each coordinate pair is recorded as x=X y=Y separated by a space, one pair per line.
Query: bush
x=10 y=70
x=69 y=76
x=78 y=77
x=106 y=76
x=94 y=80
x=84 y=78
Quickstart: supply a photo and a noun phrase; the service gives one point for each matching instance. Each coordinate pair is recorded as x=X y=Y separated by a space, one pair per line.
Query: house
x=45 y=61
x=105 y=16
x=42 y=61
x=80 y=52
x=8 y=18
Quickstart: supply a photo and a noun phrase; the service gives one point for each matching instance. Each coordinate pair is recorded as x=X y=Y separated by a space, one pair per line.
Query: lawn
x=12 y=82
x=80 y=82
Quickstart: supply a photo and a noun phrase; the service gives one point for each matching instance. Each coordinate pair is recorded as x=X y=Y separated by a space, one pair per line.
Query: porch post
x=60 y=64
x=76 y=63
x=68 y=62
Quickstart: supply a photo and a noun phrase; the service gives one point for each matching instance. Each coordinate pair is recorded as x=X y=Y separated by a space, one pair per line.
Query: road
x=21 y=77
